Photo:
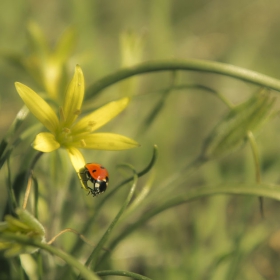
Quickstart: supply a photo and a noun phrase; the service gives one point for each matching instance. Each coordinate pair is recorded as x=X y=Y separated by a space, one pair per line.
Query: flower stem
x=100 y=203
x=122 y=273
x=92 y=260
x=264 y=190
x=256 y=157
x=187 y=65
x=71 y=261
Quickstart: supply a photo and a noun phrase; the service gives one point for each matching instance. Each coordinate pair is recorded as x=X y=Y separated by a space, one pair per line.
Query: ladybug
x=97 y=174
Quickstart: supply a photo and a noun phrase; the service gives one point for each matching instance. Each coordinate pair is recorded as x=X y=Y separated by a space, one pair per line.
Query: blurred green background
x=221 y=237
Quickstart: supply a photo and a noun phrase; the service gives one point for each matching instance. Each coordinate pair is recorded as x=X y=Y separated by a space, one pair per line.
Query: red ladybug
x=98 y=175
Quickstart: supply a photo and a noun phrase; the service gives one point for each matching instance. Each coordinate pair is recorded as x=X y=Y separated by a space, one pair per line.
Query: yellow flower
x=68 y=132
x=46 y=64
x=24 y=224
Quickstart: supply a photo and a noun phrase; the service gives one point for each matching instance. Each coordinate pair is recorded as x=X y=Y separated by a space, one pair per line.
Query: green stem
x=122 y=273
x=197 y=87
x=256 y=157
x=71 y=261
x=12 y=202
x=240 y=189
x=100 y=203
x=159 y=105
x=187 y=65
x=95 y=253
x=36 y=196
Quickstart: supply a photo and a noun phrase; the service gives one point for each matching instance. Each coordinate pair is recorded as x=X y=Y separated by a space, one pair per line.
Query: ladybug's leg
x=83 y=178
x=87 y=175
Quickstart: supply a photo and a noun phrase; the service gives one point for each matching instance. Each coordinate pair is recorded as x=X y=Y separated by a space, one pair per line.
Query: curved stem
x=249 y=189
x=71 y=261
x=100 y=203
x=29 y=178
x=12 y=202
x=92 y=260
x=196 y=87
x=70 y=230
x=256 y=157
x=36 y=196
x=193 y=65
x=150 y=118
x=122 y=273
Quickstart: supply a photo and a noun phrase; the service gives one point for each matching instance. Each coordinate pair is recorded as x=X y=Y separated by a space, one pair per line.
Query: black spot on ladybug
x=102 y=167
x=94 y=170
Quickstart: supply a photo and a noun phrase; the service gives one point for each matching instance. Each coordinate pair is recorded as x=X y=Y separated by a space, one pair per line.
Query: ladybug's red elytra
x=97 y=174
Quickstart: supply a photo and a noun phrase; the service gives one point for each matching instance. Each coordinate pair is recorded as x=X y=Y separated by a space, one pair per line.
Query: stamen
x=83 y=143
x=77 y=112
x=61 y=114
x=91 y=125
x=66 y=130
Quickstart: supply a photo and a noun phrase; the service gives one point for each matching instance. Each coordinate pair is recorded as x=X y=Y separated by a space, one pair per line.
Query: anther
x=83 y=143
x=77 y=112
x=66 y=130
x=91 y=123
x=61 y=114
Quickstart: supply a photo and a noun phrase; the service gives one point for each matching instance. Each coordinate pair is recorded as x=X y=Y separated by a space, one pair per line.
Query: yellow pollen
x=66 y=130
x=83 y=143
x=91 y=123
x=77 y=112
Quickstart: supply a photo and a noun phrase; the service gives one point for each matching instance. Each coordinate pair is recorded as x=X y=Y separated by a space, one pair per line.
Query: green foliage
x=184 y=204
x=232 y=130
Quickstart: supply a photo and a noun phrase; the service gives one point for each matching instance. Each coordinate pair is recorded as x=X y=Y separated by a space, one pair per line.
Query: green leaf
x=92 y=260
x=70 y=260
x=232 y=130
x=183 y=65
x=10 y=139
x=111 y=193
x=122 y=273
x=253 y=189
x=31 y=221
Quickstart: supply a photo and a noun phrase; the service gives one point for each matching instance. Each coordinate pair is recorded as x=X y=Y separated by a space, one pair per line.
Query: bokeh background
x=221 y=237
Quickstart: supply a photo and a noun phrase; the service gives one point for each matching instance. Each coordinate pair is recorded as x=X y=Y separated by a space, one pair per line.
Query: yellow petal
x=38 y=107
x=45 y=142
x=74 y=97
x=100 y=116
x=76 y=158
x=106 y=141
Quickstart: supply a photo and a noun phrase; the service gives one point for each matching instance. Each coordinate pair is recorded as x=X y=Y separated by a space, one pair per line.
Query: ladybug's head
x=99 y=187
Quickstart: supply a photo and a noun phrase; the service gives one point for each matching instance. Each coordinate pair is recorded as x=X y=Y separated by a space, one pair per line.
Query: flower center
x=65 y=136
